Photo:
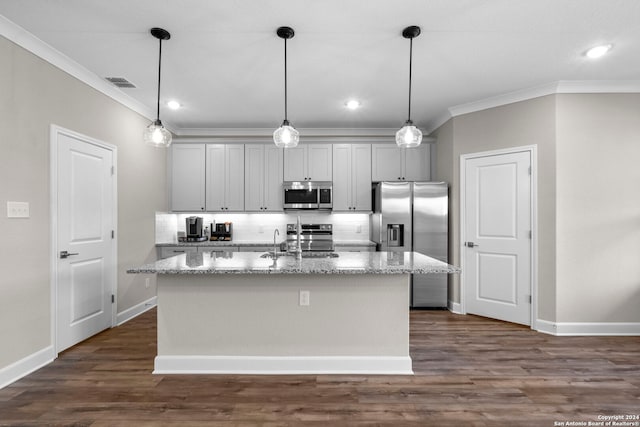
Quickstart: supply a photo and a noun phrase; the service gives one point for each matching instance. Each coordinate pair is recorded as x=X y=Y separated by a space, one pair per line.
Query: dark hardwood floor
x=469 y=371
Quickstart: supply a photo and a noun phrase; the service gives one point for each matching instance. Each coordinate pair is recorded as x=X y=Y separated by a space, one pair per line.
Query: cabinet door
x=418 y=163
x=187 y=177
x=385 y=162
x=361 y=177
x=319 y=162
x=342 y=186
x=169 y=251
x=254 y=182
x=294 y=164
x=216 y=177
x=234 y=177
x=273 y=172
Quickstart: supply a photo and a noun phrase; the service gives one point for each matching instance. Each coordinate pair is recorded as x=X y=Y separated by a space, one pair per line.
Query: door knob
x=470 y=244
x=65 y=254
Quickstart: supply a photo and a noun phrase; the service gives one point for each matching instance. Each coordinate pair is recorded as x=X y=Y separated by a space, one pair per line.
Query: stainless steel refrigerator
x=413 y=216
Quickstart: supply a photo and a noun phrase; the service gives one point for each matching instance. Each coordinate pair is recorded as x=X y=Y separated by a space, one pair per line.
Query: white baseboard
x=454 y=307
x=25 y=366
x=136 y=310
x=285 y=365
x=588 y=328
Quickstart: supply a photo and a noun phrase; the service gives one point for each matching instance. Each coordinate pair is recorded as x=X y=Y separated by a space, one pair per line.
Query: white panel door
x=497 y=275
x=85 y=220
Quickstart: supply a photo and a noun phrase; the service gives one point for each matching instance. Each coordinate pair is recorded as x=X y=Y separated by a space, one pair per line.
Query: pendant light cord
x=410 y=66
x=159 y=70
x=285 y=79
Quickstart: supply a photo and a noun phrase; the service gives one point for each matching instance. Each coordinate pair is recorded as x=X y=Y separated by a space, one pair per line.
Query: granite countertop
x=252 y=263
x=336 y=243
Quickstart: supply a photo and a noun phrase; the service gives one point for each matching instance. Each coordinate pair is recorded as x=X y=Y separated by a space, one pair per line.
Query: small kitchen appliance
x=308 y=195
x=222 y=231
x=194 y=229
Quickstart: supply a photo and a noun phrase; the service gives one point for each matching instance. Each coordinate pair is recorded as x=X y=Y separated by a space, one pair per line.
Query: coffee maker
x=194 y=229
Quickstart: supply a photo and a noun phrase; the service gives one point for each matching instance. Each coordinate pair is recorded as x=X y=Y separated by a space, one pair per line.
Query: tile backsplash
x=260 y=226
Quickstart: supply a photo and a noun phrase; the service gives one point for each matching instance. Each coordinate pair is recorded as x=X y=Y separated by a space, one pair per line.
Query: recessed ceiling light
x=352 y=104
x=598 y=51
x=174 y=105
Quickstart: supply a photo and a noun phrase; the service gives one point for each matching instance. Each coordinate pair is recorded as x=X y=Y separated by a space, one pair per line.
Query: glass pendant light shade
x=408 y=136
x=157 y=135
x=286 y=136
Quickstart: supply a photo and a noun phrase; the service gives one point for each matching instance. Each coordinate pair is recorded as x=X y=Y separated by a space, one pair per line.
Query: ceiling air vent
x=121 y=82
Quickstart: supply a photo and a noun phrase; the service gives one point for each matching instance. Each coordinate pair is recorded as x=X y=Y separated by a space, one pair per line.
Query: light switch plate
x=17 y=209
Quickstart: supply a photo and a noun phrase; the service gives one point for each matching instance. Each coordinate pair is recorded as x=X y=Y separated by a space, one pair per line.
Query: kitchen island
x=240 y=312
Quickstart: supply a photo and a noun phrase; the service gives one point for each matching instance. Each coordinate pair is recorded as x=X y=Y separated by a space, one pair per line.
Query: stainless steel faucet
x=275 y=251
x=298 y=239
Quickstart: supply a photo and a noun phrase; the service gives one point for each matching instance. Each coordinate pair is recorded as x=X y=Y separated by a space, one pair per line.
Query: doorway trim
x=54 y=132
x=533 y=152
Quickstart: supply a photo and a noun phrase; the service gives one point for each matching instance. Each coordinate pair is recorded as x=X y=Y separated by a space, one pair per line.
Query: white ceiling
x=224 y=62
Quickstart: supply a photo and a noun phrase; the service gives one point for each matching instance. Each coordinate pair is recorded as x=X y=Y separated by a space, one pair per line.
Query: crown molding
x=21 y=37
x=562 y=86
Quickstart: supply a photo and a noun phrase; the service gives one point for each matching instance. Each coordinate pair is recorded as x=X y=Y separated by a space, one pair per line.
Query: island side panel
x=257 y=315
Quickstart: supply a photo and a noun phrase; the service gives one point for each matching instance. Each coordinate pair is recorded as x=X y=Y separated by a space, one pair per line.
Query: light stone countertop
x=252 y=263
x=336 y=243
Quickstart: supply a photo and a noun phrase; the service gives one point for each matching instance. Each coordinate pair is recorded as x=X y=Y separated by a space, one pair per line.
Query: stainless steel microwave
x=308 y=195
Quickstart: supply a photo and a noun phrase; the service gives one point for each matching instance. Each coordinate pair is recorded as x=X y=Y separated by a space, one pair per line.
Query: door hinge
x=529 y=169
x=530 y=234
x=113 y=234
x=113 y=298
x=113 y=170
x=529 y=299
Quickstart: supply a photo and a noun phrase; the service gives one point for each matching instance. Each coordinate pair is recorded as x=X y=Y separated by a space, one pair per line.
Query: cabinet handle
x=399 y=178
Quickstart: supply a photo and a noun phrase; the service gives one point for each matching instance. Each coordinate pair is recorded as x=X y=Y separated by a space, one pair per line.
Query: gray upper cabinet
x=225 y=177
x=352 y=177
x=187 y=177
x=308 y=162
x=263 y=178
x=391 y=163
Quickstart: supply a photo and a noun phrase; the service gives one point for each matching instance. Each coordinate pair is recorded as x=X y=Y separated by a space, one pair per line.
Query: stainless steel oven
x=308 y=195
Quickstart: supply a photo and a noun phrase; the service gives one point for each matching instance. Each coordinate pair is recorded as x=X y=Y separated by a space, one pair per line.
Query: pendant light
x=286 y=135
x=156 y=134
x=409 y=135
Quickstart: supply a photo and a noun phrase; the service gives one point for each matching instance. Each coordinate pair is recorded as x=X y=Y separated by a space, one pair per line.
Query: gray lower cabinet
x=169 y=251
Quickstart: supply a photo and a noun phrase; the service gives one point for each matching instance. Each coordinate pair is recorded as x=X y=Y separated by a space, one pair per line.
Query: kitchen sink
x=306 y=254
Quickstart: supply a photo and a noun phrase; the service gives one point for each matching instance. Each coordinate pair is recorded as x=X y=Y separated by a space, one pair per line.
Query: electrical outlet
x=147 y=282
x=358 y=228
x=305 y=298
x=17 y=210
x=260 y=229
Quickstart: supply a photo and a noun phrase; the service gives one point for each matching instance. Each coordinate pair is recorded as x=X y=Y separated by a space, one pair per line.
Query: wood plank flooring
x=469 y=371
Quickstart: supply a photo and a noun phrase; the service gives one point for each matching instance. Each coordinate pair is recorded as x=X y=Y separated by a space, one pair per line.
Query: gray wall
x=588 y=197
x=598 y=208
x=35 y=95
